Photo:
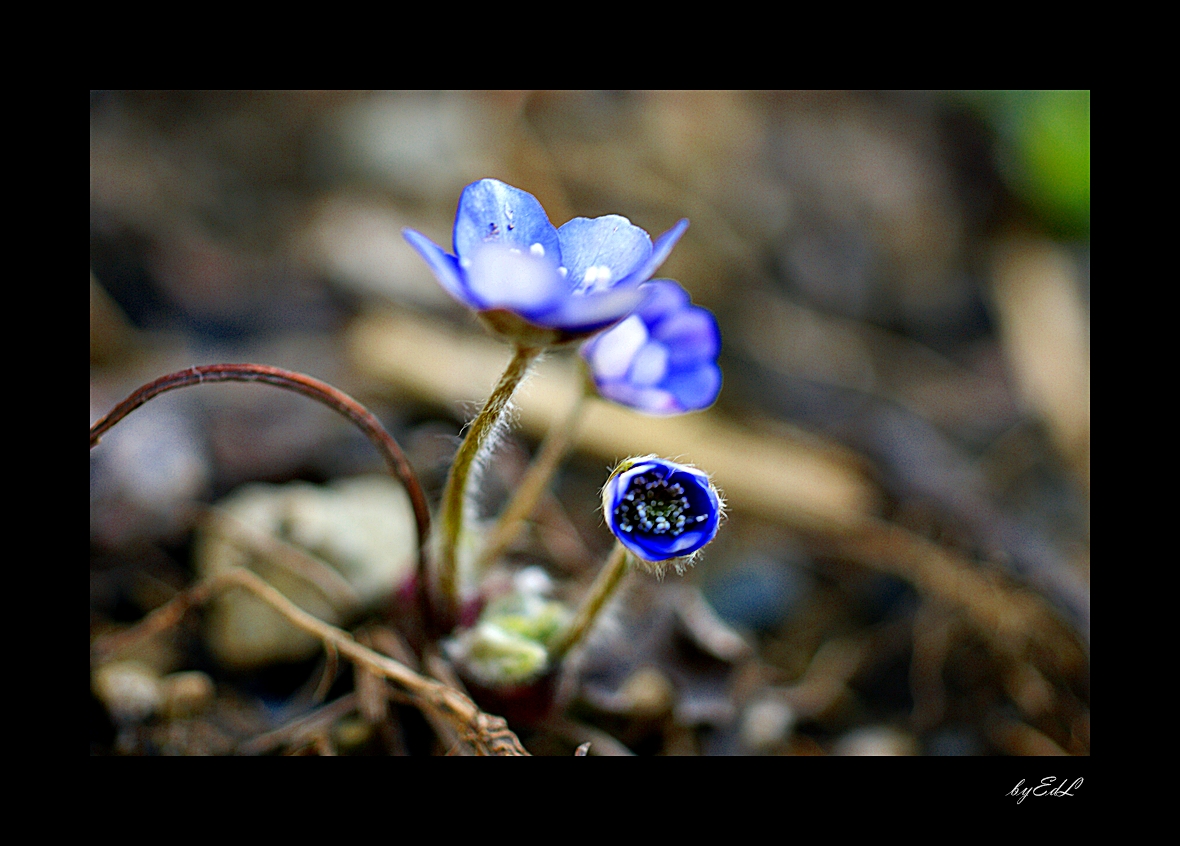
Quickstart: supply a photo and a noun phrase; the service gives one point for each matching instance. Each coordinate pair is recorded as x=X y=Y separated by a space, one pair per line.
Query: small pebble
x=876 y=740
x=129 y=690
x=186 y=694
x=765 y=722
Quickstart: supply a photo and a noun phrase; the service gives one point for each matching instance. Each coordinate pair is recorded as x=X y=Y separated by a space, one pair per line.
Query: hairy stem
x=478 y=438
x=605 y=584
x=532 y=485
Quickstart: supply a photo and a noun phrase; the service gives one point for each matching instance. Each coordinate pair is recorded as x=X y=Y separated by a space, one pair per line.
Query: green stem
x=533 y=485
x=455 y=493
x=605 y=584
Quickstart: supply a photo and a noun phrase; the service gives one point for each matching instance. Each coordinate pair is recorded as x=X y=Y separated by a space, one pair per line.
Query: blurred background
x=903 y=435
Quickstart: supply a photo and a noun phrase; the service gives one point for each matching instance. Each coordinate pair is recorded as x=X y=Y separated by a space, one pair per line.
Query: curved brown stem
x=322 y=392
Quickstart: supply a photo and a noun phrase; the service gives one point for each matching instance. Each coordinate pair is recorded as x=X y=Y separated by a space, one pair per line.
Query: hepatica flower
x=535 y=284
x=661 y=510
x=663 y=358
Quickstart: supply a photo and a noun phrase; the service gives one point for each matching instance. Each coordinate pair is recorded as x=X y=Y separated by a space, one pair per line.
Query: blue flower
x=535 y=284
x=661 y=510
x=663 y=358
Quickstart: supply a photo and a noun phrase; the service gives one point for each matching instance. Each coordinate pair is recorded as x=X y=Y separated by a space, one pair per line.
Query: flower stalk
x=605 y=584
x=476 y=442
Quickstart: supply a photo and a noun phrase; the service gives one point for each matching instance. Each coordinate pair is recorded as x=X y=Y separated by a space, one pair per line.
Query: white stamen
x=596 y=273
x=537 y=250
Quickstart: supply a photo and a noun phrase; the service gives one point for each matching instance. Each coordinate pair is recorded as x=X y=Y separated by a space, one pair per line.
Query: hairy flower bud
x=660 y=510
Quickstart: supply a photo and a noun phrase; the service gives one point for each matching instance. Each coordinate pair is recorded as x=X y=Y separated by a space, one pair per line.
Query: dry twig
x=487 y=734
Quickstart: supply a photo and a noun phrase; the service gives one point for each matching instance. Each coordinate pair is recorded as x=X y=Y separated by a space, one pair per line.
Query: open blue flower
x=661 y=510
x=663 y=358
x=536 y=284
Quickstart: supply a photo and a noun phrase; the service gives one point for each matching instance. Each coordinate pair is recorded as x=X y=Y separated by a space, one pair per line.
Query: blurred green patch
x=1044 y=152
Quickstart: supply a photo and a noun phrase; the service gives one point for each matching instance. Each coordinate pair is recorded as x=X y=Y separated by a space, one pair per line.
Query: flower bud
x=507 y=646
x=660 y=510
x=497 y=657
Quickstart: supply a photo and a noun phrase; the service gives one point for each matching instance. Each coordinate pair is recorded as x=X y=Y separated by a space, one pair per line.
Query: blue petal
x=665 y=297
x=641 y=545
x=444 y=267
x=490 y=210
x=691 y=336
x=650 y=365
x=654 y=401
x=660 y=251
x=505 y=277
x=600 y=252
x=610 y=354
x=584 y=313
x=695 y=389
x=701 y=494
x=689 y=542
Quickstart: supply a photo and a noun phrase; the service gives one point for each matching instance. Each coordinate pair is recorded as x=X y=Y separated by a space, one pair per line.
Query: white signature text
x=1049 y=786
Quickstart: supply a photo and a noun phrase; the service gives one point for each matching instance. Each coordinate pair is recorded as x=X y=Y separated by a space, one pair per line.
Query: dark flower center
x=654 y=507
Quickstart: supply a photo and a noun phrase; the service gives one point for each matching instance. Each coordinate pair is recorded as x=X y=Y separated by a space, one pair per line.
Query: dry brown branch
x=827 y=676
x=328 y=676
x=295 y=560
x=159 y=620
x=322 y=392
x=487 y=734
x=1014 y=621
